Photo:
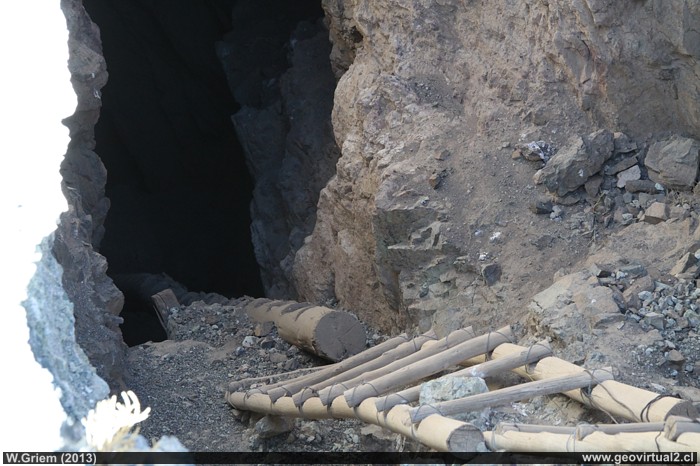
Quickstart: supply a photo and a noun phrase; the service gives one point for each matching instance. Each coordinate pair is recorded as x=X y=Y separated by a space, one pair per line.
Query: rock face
x=284 y=128
x=574 y=164
x=674 y=162
x=417 y=82
x=96 y=301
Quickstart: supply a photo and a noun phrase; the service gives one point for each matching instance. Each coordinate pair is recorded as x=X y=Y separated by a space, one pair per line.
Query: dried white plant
x=111 y=426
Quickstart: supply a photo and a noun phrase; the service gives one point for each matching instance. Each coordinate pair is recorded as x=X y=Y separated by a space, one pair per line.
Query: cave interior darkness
x=179 y=187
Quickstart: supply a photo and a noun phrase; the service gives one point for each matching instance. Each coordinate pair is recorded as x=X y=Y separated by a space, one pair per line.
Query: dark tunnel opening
x=178 y=182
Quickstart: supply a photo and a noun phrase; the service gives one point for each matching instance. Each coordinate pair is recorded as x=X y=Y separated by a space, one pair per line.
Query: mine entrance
x=178 y=182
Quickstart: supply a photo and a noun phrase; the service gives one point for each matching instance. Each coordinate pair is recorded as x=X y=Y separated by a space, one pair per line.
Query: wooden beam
x=507 y=395
x=483 y=370
x=408 y=374
x=612 y=397
x=325 y=332
x=430 y=348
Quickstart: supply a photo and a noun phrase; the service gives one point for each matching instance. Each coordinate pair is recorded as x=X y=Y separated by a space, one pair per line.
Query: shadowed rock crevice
x=179 y=181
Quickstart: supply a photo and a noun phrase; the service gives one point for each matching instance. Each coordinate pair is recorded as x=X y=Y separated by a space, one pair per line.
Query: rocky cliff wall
x=96 y=300
x=430 y=98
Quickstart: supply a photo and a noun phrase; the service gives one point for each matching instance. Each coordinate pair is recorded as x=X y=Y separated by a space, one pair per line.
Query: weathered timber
x=637 y=437
x=325 y=332
x=437 y=432
x=163 y=302
x=290 y=387
x=507 y=395
x=379 y=359
x=615 y=398
x=408 y=374
x=430 y=348
x=483 y=370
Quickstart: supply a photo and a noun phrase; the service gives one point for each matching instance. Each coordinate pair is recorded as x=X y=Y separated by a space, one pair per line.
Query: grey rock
x=453 y=387
x=576 y=162
x=641 y=186
x=631 y=174
x=541 y=207
x=623 y=144
x=52 y=338
x=270 y=426
x=684 y=263
x=655 y=320
x=673 y=162
x=592 y=186
x=491 y=273
x=620 y=166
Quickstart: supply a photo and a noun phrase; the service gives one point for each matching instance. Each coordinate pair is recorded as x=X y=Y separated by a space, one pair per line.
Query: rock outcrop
x=96 y=300
x=426 y=90
x=284 y=128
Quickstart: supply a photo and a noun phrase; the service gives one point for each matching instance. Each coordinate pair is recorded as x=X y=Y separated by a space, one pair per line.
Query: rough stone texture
x=674 y=162
x=418 y=80
x=631 y=174
x=575 y=163
x=288 y=142
x=657 y=212
x=453 y=387
x=96 y=301
x=53 y=339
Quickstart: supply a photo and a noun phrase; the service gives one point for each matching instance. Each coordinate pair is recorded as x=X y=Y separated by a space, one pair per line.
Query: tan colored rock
x=418 y=78
x=657 y=212
x=674 y=162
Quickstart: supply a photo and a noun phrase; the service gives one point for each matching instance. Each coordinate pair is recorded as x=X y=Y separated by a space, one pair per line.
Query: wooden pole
x=437 y=432
x=483 y=370
x=430 y=348
x=510 y=394
x=380 y=360
x=612 y=397
x=517 y=437
x=290 y=387
x=410 y=373
x=325 y=332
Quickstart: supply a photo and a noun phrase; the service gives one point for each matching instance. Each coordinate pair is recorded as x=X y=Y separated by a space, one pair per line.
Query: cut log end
x=339 y=335
x=465 y=438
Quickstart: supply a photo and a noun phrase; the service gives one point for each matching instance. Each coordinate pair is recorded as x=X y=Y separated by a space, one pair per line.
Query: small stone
x=641 y=186
x=435 y=180
x=491 y=273
x=249 y=341
x=633 y=270
x=267 y=343
x=263 y=329
x=675 y=357
x=621 y=166
x=592 y=186
x=656 y=213
x=270 y=426
x=278 y=357
x=656 y=320
x=631 y=174
x=623 y=144
x=601 y=270
x=541 y=207
x=684 y=263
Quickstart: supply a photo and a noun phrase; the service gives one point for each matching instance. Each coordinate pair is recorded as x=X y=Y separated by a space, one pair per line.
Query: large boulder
x=580 y=159
x=673 y=162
